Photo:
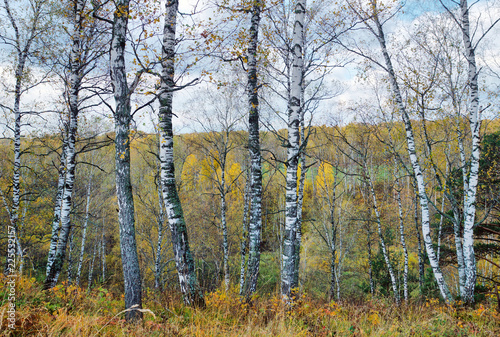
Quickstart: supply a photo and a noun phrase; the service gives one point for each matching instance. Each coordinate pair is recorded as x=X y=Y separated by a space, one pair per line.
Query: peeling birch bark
x=56 y=266
x=56 y=222
x=300 y=203
x=184 y=261
x=302 y=180
x=161 y=220
x=294 y=112
x=475 y=126
x=255 y=225
x=22 y=45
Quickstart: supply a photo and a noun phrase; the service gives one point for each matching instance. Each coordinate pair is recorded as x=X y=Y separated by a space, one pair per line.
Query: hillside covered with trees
x=250 y=167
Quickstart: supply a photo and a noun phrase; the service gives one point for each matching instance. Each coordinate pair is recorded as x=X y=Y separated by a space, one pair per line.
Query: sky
x=354 y=89
x=483 y=12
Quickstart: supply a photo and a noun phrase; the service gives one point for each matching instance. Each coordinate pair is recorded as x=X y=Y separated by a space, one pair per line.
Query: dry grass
x=68 y=311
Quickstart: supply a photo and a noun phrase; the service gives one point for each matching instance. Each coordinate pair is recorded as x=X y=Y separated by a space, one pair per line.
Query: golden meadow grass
x=70 y=311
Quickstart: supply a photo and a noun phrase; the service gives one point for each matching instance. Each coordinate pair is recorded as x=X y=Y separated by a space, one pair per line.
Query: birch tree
x=318 y=58
x=434 y=67
x=470 y=183
x=22 y=39
x=85 y=226
x=159 y=264
x=219 y=118
x=56 y=222
x=122 y=115
x=183 y=258
x=398 y=188
x=457 y=77
x=328 y=183
x=360 y=150
x=374 y=24
x=255 y=223
x=294 y=113
x=54 y=267
x=89 y=43
x=244 y=236
x=152 y=203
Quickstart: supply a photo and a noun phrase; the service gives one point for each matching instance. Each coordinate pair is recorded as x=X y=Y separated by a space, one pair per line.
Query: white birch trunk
x=457 y=223
x=475 y=125
x=333 y=243
x=161 y=220
x=440 y=228
x=103 y=243
x=244 y=238
x=294 y=113
x=340 y=251
x=20 y=253
x=56 y=266
x=370 y=262
x=60 y=254
x=419 y=241
x=381 y=236
x=223 y=208
x=56 y=222
x=183 y=259
x=300 y=203
x=71 y=244
x=300 y=196
x=410 y=140
x=91 y=268
x=19 y=247
x=255 y=224
x=84 y=234
x=402 y=233
x=22 y=55
x=457 y=215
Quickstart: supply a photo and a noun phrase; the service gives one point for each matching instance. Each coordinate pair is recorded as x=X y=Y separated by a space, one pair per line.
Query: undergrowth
x=71 y=311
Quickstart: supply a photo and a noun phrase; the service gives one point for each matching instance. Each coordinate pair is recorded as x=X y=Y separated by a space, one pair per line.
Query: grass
x=70 y=311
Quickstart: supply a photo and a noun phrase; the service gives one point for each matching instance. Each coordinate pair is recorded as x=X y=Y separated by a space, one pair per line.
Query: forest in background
x=337 y=201
x=390 y=197
x=337 y=198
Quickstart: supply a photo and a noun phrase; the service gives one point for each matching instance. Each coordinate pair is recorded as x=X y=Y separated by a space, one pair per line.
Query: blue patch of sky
x=412 y=9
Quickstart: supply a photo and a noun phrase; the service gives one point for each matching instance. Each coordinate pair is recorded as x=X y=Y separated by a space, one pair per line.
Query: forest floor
x=70 y=311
